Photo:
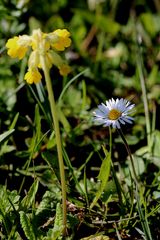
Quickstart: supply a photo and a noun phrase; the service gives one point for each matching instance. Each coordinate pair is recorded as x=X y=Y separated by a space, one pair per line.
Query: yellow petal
x=63 y=40
x=33 y=76
x=14 y=49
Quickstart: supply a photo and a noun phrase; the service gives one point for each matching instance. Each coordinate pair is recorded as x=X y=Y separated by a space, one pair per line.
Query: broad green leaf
x=27 y=226
x=9 y=206
x=153 y=76
x=138 y=164
x=156 y=195
x=103 y=176
x=8 y=200
x=142 y=151
x=46 y=204
x=151 y=23
x=56 y=232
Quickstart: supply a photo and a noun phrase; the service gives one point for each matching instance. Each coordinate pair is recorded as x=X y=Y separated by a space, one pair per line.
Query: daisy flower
x=114 y=113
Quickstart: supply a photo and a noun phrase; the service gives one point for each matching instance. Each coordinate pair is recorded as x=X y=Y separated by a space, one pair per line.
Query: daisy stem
x=58 y=138
x=130 y=155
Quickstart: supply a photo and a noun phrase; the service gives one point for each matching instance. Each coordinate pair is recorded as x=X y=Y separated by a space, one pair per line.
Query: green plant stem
x=118 y=186
x=144 y=94
x=58 y=138
x=130 y=155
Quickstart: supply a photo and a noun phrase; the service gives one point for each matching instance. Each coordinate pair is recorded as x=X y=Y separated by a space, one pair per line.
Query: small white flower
x=114 y=112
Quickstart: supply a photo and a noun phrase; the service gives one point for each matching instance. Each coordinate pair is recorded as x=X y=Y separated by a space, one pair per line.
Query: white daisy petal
x=99 y=113
x=102 y=107
x=128 y=117
x=107 y=124
x=116 y=124
x=122 y=121
x=127 y=120
x=114 y=113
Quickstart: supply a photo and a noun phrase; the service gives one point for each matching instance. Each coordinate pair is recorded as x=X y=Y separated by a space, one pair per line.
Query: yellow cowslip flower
x=63 y=40
x=14 y=49
x=43 y=46
x=33 y=76
x=64 y=69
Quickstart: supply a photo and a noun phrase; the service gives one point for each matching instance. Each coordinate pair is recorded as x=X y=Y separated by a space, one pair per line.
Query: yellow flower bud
x=64 y=69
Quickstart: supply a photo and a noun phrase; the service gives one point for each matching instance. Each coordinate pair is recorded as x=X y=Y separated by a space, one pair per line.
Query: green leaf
x=58 y=225
x=138 y=164
x=63 y=120
x=103 y=176
x=27 y=226
x=152 y=78
x=36 y=139
x=156 y=148
x=105 y=23
x=56 y=232
x=69 y=83
x=71 y=170
x=96 y=237
x=151 y=23
x=29 y=198
x=46 y=204
x=9 y=205
x=52 y=162
x=6 y=135
x=37 y=122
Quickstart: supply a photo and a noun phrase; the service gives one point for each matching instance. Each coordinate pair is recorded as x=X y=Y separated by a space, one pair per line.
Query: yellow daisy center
x=114 y=114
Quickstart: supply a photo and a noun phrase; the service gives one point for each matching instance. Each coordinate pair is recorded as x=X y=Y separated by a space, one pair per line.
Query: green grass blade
x=69 y=83
x=144 y=221
x=103 y=176
x=71 y=170
x=29 y=198
x=6 y=135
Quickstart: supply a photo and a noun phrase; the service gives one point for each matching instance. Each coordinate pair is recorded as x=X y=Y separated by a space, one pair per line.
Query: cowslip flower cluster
x=114 y=113
x=43 y=45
